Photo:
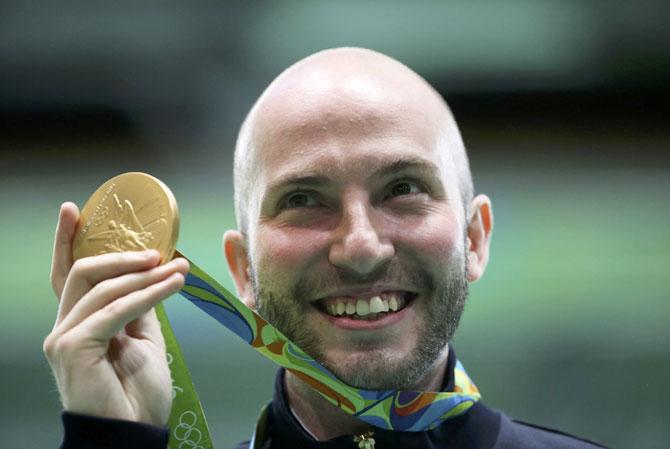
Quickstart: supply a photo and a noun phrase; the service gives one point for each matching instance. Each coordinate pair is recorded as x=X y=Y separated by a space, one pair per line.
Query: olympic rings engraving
x=187 y=433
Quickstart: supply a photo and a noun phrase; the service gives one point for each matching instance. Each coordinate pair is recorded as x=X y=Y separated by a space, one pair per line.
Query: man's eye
x=404 y=188
x=300 y=199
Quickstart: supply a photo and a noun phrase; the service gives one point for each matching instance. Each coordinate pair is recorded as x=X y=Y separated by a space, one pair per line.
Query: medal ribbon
x=411 y=411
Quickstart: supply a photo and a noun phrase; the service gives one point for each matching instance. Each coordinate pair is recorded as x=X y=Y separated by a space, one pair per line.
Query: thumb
x=62 y=252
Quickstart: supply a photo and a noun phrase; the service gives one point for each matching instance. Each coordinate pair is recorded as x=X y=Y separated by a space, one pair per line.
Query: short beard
x=377 y=370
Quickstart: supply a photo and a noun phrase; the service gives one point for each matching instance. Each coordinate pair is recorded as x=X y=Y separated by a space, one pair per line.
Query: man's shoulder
x=515 y=434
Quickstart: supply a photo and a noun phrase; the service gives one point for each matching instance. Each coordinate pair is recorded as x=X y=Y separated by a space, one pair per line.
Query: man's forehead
x=346 y=151
x=342 y=116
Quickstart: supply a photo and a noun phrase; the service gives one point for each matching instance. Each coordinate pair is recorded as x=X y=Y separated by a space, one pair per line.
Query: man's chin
x=376 y=370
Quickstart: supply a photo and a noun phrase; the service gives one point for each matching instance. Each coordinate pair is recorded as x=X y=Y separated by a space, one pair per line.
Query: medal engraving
x=125 y=232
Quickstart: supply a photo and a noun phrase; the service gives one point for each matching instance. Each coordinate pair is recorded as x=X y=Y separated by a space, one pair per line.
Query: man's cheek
x=289 y=249
x=435 y=245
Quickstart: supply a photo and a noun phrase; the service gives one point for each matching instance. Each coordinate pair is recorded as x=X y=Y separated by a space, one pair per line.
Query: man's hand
x=106 y=349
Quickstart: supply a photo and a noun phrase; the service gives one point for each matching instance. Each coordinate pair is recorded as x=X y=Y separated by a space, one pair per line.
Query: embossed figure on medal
x=125 y=231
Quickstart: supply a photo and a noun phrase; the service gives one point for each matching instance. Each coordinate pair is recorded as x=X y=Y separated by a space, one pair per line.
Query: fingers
x=89 y=271
x=62 y=253
x=106 y=322
x=108 y=290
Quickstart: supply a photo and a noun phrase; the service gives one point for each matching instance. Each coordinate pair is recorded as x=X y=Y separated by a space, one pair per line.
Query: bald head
x=344 y=93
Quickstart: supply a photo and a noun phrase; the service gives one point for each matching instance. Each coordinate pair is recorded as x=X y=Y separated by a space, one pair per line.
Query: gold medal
x=130 y=212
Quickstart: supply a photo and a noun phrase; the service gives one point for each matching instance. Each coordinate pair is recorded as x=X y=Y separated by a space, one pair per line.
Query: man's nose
x=360 y=245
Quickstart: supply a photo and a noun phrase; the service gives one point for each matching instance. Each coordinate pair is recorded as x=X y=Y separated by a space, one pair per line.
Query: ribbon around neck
x=411 y=411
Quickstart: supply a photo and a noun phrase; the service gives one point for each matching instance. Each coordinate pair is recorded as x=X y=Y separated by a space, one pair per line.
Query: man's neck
x=324 y=420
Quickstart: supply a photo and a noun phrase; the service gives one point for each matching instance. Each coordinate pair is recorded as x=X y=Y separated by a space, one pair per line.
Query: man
x=358 y=236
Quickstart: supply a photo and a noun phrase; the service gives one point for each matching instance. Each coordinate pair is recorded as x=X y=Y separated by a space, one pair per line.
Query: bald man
x=358 y=235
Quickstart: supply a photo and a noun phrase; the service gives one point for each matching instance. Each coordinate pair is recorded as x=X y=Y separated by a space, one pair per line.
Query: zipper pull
x=365 y=440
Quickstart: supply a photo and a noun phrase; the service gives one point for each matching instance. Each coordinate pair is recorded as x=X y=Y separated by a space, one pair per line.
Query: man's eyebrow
x=307 y=181
x=408 y=164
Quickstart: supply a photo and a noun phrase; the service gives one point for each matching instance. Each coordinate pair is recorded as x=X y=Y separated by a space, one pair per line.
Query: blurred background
x=564 y=109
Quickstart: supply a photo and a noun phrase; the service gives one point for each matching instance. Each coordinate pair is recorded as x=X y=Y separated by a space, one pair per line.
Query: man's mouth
x=367 y=308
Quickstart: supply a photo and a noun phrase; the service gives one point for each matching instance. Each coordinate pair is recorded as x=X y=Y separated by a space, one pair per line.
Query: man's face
x=356 y=235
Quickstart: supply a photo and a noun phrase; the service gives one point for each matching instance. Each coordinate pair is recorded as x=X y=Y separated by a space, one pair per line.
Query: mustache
x=409 y=275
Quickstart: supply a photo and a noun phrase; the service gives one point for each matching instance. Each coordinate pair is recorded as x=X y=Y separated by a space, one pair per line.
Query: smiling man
x=356 y=216
x=358 y=234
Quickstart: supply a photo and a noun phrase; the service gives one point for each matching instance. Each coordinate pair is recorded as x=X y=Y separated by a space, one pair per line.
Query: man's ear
x=235 y=249
x=480 y=225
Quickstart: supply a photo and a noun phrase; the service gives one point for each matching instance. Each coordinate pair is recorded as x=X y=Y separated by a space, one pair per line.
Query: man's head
x=353 y=192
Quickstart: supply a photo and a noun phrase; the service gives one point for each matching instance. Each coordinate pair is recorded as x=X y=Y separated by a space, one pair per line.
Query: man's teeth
x=350 y=309
x=340 y=308
x=393 y=303
x=362 y=307
x=376 y=305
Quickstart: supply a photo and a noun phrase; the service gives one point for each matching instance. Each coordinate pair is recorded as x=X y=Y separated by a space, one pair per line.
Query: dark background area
x=562 y=105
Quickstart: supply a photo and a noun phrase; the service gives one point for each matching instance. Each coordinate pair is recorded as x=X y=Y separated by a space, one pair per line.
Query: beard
x=371 y=366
